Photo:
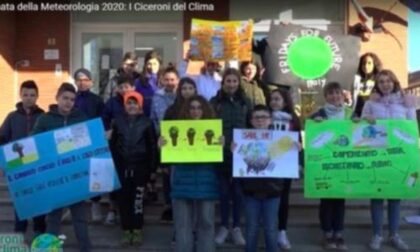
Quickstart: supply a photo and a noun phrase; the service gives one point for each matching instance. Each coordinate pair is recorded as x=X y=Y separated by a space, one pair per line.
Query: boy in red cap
x=133 y=143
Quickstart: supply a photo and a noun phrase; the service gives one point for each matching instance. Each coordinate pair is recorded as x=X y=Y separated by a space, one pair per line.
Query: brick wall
x=384 y=45
x=7 y=59
x=36 y=31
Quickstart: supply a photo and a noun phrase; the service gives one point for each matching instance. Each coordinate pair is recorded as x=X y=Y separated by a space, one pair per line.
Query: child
x=186 y=89
x=262 y=196
x=284 y=118
x=114 y=107
x=18 y=124
x=133 y=142
x=392 y=104
x=331 y=211
x=127 y=68
x=165 y=97
x=369 y=66
x=93 y=106
x=249 y=83
x=194 y=191
x=148 y=83
x=60 y=115
x=233 y=107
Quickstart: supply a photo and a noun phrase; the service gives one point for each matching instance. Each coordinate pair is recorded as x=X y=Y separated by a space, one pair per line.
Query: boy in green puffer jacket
x=60 y=115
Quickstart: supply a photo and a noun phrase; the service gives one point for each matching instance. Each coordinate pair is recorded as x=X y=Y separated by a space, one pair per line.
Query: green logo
x=310 y=57
x=47 y=243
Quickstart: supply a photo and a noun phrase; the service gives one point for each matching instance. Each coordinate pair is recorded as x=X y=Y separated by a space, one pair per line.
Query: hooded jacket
x=18 y=124
x=54 y=120
x=134 y=143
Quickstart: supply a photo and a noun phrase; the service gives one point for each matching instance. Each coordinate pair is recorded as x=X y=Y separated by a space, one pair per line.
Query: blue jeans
x=230 y=189
x=377 y=214
x=265 y=210
x=192 y=215
x=80 y=224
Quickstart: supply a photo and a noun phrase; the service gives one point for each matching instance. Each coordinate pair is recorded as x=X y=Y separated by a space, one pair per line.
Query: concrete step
x=158 y=238
x=299 y=217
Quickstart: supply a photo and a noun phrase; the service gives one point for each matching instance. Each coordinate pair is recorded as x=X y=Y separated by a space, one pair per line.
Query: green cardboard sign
x=358 y=160
x=191 y=141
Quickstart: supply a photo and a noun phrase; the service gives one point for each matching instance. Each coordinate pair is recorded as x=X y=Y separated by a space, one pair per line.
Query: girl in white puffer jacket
x=388 y=103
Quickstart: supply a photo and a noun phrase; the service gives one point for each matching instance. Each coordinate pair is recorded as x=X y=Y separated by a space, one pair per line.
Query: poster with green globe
x=359 y=160
x=300 y=56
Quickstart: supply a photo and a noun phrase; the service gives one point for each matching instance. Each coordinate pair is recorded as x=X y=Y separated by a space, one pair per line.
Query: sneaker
x=376 y=242
x=339 y=243
x=329 y=242
x=96 y=212
x=126 y=239
x=221 y=236
x=237 y=237
x=398 y=243
x=167 y=215
x=110 y=218
x=283 y=241
x=137 y=237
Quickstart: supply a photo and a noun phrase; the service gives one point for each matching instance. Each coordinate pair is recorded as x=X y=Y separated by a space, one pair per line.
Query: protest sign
x=298 y=55
x=265 y=154
x=58 y=168
x=359 y=160
x=191 y=141
x=218 y=41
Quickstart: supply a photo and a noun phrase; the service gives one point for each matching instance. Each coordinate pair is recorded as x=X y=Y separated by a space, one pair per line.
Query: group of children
x=132 y=117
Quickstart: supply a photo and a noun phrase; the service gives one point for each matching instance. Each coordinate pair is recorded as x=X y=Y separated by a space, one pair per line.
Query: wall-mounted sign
x=51 y=54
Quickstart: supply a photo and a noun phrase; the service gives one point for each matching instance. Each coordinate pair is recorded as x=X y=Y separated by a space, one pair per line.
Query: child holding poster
x=331 y=211
x=133 y=142
x=60 y=115
x=18 y=124
x=284 y=118
x=262 y=196
x=194 y=190
x=392 y=104
x=186 y=89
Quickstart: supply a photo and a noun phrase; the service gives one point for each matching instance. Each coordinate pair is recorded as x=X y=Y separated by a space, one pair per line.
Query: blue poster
x=58 y=168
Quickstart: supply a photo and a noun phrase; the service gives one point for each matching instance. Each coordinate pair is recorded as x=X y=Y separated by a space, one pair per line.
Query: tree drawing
x=17 y=147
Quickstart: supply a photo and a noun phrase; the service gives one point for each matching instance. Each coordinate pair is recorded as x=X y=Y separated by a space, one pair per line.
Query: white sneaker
x=283 y=241
x=221 y=235
x=398 y=243
x=376 y=242
x=237 y=237
x=96 y=211
x=110 y=218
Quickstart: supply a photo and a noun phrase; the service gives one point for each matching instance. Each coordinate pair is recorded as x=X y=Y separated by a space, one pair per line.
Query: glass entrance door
x=100 y=47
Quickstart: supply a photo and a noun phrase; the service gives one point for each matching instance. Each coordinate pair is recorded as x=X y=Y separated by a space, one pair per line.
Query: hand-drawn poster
x=265 y=154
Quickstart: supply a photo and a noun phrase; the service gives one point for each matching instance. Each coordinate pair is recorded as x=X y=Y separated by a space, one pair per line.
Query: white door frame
x=127 y=29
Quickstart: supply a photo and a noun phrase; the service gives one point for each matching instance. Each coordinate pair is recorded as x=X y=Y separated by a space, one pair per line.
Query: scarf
x=334 y=112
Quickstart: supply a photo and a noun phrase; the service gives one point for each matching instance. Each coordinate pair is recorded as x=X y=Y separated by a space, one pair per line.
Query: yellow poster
x=191 y=141
x=215 y=40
